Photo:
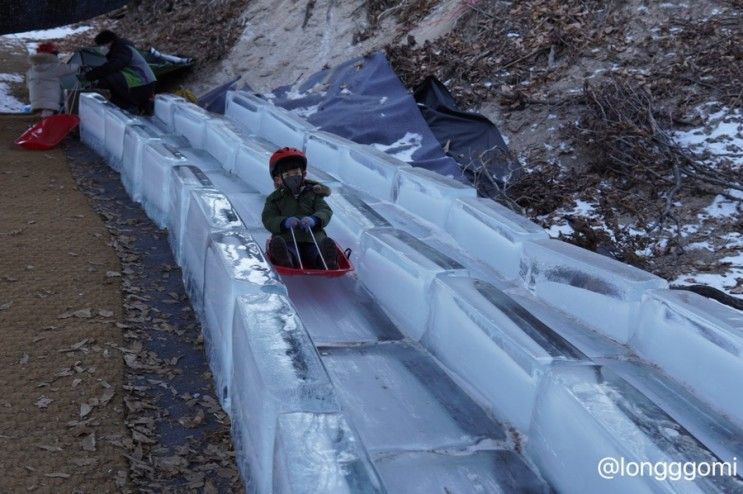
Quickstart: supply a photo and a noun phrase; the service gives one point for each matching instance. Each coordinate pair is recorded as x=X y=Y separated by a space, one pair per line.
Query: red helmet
x=283 y=154
x=47 y=48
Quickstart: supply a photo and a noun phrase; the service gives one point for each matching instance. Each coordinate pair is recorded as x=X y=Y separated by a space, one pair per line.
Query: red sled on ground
x=344 y=265
x=48 y=133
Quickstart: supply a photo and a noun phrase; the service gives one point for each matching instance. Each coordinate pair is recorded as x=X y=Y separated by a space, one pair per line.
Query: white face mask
x=104 y=49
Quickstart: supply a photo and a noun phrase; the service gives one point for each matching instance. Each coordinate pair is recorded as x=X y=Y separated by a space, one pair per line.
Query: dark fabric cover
x=363 y=100
x=215 y=99
x=468 y=137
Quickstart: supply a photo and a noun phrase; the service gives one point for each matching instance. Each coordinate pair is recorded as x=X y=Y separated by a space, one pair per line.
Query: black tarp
x=30 y=15
x=470 y=138
x=215 y=99
x=363 y=100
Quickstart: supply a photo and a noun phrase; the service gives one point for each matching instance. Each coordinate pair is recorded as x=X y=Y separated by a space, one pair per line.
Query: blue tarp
x=363 y=100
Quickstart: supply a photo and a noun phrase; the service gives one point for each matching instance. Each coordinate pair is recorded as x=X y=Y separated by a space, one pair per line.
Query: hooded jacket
x=124 y=58
x=281 y=204
x=43 y=80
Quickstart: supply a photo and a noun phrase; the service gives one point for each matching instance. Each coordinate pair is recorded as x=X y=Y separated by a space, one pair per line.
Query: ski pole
x=318 y=250
x=296 y=247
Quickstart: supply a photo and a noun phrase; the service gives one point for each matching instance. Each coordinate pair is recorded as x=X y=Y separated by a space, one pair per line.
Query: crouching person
x=297 y=205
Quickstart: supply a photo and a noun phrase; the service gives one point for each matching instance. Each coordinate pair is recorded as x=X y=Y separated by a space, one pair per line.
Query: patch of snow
x=294 y=94
x=11 y=77
x=8 y=104
x=383 y=100
x=404 y=148
x=722 y=133
x=54 y=33
x=700 y=246
x=555 y=230
x=345 y=91
x=687 y=230
x=583 y=208
x=721 y=207
x=733 y=240
x=33 y=38
x=306 y=112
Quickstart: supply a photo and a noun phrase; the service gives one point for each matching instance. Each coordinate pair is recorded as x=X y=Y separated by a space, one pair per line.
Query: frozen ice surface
x=492 y=233
x=208 y=212
x=200 y=158
x=117 y=121
x=398 y=270
x=720 y=435
x=478 y=332
x=184 y=179
x=352 y=215
x=403 y=220
x=223 y=139
x=158 y=157
x=597 y=290
x=251 y=164
x=245 y=109
x=155 y=124
x=327 y=152
x=92 y=111
x=428 y=194
x=317 y=453
x=190 y=121
x=476 y=267
x=397 y=398
x=283 y=128
x=587 y=340
x=228 y=183
x=486 y=472
x=371 y=170
x=276 y=370
x=164 y=107
x=318 y=175
x=249 y=207
x=234 y=266
x=339 y=311
x=584 y=414
x=135 y=138
x=678 y=327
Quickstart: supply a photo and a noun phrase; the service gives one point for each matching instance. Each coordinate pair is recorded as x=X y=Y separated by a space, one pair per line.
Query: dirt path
x=61 y=409
x=104 y=386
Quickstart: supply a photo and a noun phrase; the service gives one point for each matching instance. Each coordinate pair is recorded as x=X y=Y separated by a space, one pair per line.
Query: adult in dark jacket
x=126 y=74
x=297 y=207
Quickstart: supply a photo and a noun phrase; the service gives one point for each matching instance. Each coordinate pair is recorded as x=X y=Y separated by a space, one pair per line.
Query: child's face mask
x=104 y=49
x=292 y=180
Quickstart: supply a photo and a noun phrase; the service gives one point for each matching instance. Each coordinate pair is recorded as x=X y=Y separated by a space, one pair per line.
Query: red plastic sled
x=48 y=133
x=344 y=266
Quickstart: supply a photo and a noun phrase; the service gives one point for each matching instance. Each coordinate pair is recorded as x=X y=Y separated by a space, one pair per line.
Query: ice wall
x=426 y=355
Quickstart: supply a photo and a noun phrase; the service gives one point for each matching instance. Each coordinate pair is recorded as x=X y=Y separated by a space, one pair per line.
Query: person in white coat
x=44 y=79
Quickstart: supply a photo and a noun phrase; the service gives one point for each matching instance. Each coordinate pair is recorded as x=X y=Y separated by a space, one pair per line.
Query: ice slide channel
x=358 y=385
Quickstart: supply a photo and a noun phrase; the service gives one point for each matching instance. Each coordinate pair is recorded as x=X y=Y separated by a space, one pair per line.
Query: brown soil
x=61 y=410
